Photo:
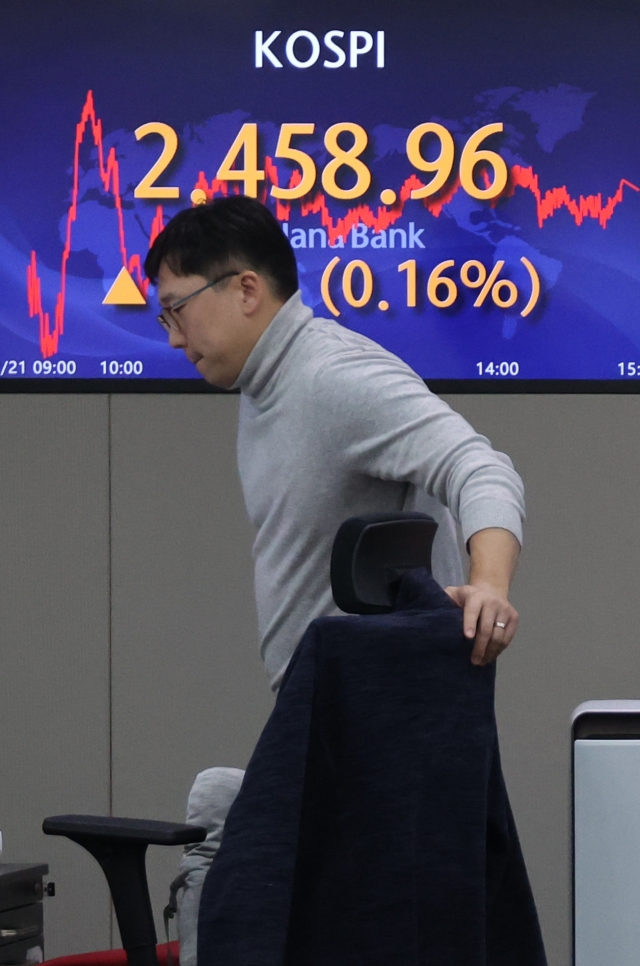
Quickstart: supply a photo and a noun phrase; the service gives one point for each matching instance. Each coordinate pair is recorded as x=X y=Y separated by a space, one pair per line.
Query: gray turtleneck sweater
x=332 y=426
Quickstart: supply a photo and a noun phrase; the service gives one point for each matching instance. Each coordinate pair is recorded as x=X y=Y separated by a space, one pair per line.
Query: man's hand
x=483 y=606
x=488 y=615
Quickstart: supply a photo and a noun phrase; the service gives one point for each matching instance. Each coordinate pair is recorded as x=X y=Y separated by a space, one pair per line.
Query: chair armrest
x=119 y=845
x=123 y=829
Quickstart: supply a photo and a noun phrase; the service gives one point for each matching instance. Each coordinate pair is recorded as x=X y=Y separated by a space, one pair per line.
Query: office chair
x=370 y=554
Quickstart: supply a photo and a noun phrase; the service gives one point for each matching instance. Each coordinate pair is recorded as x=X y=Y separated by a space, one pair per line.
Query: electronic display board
x=460 y=181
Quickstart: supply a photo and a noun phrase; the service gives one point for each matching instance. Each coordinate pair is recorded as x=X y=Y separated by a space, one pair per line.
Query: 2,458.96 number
x=305 y=175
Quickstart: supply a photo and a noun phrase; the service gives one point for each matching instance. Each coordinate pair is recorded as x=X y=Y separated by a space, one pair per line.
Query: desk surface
x=13 y=872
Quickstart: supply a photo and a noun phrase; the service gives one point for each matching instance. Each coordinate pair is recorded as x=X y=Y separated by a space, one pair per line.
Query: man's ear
x=253 y=288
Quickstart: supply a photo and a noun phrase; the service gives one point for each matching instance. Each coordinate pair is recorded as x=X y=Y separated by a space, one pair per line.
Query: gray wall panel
x=189 y=691
x=577 y=593
x=54 y=620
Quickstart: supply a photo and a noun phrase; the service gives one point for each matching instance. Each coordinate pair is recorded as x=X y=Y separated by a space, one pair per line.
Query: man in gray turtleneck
x=331 y=426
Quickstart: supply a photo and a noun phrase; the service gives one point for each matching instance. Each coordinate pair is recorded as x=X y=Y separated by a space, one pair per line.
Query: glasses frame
x=169 y=321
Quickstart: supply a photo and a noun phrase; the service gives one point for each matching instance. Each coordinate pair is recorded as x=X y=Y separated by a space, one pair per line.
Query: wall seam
x=109 y=634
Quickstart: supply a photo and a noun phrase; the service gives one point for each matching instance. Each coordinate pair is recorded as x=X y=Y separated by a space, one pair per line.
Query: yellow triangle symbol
x=124 y=291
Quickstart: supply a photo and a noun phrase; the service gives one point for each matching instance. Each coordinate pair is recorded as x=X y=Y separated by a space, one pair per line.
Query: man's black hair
x=210 y=238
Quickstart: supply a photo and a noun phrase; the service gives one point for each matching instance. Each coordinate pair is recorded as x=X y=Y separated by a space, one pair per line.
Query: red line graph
x=547 y=204
x=554 y=199
x=110 y=176
x=589 y=206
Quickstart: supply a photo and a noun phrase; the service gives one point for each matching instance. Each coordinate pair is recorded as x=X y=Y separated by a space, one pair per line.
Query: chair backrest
x=370 y=554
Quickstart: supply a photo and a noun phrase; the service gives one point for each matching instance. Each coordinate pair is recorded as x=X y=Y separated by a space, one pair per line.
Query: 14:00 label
x=498 y=368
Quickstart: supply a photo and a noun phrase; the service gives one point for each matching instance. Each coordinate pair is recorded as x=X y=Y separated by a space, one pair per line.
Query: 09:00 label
x=60 y=368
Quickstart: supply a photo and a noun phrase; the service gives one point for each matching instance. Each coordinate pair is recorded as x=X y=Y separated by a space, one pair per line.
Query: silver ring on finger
x=500 y=624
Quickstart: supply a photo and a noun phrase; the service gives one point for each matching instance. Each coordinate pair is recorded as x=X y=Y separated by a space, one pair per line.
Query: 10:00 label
x=127 y=368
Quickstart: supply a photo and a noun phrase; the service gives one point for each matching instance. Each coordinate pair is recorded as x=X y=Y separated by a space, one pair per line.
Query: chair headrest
x=370 y=554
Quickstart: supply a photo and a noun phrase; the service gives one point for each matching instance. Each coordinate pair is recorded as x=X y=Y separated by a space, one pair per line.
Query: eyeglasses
x=169 y=321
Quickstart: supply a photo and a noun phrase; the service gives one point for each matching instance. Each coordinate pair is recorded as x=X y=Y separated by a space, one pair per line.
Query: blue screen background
x=562 y=78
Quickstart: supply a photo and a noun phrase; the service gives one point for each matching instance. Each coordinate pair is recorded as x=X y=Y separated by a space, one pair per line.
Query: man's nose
x=177 y=339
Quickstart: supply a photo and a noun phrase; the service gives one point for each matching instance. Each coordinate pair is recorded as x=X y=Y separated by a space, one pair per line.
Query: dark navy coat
x=373 y=826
